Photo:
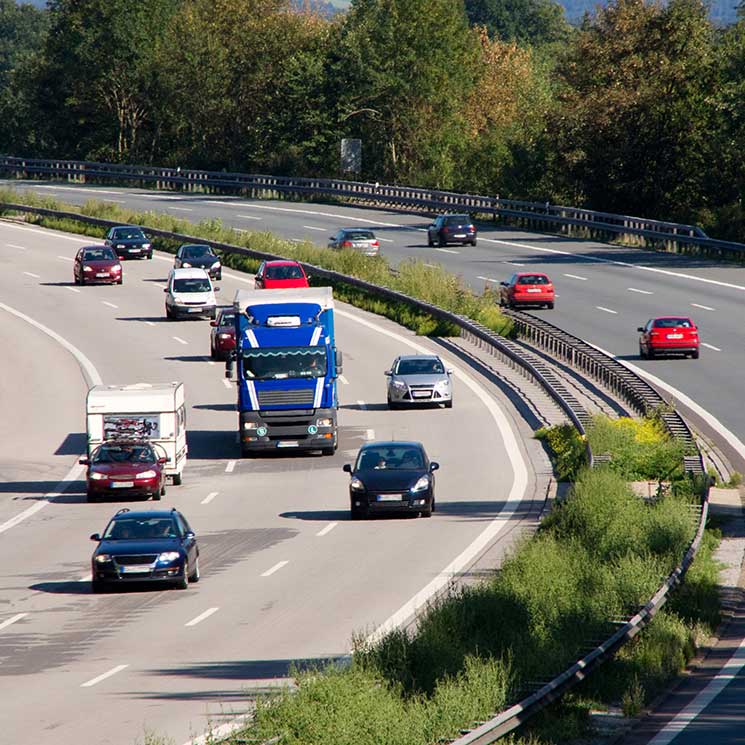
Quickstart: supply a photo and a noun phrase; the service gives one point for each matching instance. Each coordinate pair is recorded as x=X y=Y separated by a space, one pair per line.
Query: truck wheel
x=177 y=479
x=98 y=587
x=358 y=513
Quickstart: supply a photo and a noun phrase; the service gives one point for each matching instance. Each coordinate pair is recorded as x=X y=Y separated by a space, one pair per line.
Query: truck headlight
x=356 y=485
x=96 y=476
x=421 y=485
x=325 y=422
x=168 y=556
x=146 y=475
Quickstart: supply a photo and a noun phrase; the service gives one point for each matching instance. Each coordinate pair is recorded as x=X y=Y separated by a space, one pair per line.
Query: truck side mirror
x=338 y=361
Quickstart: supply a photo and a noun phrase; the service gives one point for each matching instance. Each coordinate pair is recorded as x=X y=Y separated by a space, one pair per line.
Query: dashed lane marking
x=576 y=276
x=710 y=346
x=275 y=568
x=607 y=310
x=111 y=305
x=108 y=674
x=209 y=497
x=201 y=617
x=447 y=251
x=72 y=289
x=370 y=434
x=314 y=227
x=18 y=616
x=326 y=530
x=180 y=340
x=641 y=292
x=703 y=307
x=31 y=274
x=343 y=380
x=230 y=466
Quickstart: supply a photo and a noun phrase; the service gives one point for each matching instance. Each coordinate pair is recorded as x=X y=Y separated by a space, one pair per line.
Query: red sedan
x=527 y=288
x=668 y=335
x=125 y=468
x=97 y=264
x=278 y=274
x=222 y=334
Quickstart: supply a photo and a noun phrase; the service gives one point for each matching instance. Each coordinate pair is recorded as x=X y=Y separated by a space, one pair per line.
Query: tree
x=524 y=21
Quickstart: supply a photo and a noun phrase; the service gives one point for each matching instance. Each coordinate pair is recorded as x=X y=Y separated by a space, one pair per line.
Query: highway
x=286 y=575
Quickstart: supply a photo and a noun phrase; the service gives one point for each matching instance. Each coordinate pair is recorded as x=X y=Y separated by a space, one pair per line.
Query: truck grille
x=303 y=397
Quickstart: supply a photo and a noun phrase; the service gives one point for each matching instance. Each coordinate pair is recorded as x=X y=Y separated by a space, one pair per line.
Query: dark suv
x=451 y=229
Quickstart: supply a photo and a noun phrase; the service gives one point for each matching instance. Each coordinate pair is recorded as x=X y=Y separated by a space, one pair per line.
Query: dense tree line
x=640 y=109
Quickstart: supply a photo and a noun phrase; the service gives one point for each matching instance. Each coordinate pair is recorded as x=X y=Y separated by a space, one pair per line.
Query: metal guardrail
x=534 y=214
x=608 y=371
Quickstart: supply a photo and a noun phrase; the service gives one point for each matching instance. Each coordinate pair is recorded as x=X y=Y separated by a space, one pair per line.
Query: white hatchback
x=190 y=294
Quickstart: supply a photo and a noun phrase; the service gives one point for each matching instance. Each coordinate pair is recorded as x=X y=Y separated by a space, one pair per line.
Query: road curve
x=286 y=575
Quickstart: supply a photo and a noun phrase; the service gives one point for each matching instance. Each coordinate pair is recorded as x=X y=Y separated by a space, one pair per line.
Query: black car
x=392 y=476
x=451 y=229
x=129 y=242
x=145 y=546
x=200 y=256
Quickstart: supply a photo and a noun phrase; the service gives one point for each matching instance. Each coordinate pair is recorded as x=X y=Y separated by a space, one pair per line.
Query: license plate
x=102 y=274
x=137 y=569
x=135 y=250
x=195 y=310
x=675 y=336
x=388 y=497
x=421 y=394
x=122 y=484
x=533 y=289
x=459 y=235
x=288 y=444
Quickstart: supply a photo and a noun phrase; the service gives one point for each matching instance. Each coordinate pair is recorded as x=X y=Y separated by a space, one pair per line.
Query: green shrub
x=567 y=449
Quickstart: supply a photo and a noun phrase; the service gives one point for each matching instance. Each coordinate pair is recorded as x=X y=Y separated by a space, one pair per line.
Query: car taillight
x=375 y=244
x=346 y=244
x=549 y=288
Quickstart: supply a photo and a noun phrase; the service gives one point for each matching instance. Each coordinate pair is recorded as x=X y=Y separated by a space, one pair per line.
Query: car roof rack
x=122 y=510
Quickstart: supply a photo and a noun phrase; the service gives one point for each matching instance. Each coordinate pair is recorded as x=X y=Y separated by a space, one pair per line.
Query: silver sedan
x=419 y=379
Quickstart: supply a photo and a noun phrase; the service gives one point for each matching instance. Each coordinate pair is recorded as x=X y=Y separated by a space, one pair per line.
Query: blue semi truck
x=286 y=364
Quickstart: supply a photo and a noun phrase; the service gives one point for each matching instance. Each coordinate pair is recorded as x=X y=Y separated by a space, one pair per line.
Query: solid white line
x=15 y=245
x=641 y=292
x=71 y=188
x=149 y=323
x=703 y=307
x=513 y=263
x=343 y=380
x=275 y=568
x=230 y=466
x=447 y=251
x=113 y=671
x=65 y=258
x=323 y=531
x=297 y=240
x=202 y=616
x=576 y=276
x=728 y=673
x=31 y=274
x=313 y=227
x=45 y=232
x=72 y=289
x=182 y=209
x=111 y=305
x=227 y=383
x=180 y=340
x=488 y=279
x=19 y=616
x=250 y=217
x=370 y=434
x=709 y=346
x=209 y=497
x=386 y=240
x=86 y=577
x=607 y=310
x=362 y=404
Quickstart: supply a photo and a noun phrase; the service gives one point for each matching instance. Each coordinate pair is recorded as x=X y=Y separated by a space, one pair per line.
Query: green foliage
x=527 y=21
x=567 y=448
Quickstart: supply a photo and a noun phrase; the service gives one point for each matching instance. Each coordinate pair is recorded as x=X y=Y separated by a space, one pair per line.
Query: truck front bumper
x=314 y=430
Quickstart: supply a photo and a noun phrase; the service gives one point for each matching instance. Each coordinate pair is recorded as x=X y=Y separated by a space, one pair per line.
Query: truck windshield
x=275 y=363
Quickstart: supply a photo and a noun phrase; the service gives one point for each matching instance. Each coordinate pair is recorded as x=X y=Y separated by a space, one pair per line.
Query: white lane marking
x=31 y=274
x=721 y=680
x=208 y=360
x=710 y=346
x=45 y=231
x=209 y=497
x=15 y=245
x=501 y=521
x=248 y=217
x=118 y=201
x=576 y=276
x=488 y=279
x=297 y=240
x=313 y=227
x=111 y=305
x=217 y=734
x=72 y=289
x=162 y=287
x=180 y=340
x=65 y=258
x=275 y=568
x=150 y=323
x=447 y=251
x=703 y=307
x=230 y=466
x=420 y=230
x=362 y=405
x=607 y=310
x=202 y=616
x=343 y=380
x=87 y=577
x=513 y=263
x=370 y=434
x=227 y=383
x=182 y=209
x=89 y=371
x=18 y=616
x=386 y=240
x=641 y=292
x=88 y=190
x=108 y=674
x=323 y=531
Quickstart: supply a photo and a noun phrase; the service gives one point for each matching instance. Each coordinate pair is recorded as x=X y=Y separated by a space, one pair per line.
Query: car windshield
x=533 y=279
x=124 y=454
x=133 y=528
x=276 y=363
x=671 y=323
x=227 y=319
x=98 y=254
x=420 y=367
x=284 y=271
x=195 y=252
x=390 y=458
x=458 y=220
x=128 y=234
x=192 y=284
x=358 y=235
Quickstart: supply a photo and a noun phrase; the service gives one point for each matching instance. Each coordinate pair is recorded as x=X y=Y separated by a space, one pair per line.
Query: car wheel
x=430 y=242
x=550 y=306
x=473 y=242
x=182 y=583
x=392 y=405
x=120 y=280
x=195 y=574
x=213 y=352
x=442 y=241
x=177 y=479
x=169 y=313
x=694 y=355
x=219 y=276
x=358 y=513
x=98 y=587
x=150 y=255
x=427 y=512
x=158 y=494
x=449 y=404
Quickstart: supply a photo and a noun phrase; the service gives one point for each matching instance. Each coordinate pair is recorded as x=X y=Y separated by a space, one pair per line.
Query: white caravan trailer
x=153 y=411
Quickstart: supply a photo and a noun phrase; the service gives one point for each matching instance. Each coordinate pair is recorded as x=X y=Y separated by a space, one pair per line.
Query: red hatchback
x=668 y=335
x=527 y=288
x=222 y=334
x=125 y=468
x=96 y=264
x=274 y=275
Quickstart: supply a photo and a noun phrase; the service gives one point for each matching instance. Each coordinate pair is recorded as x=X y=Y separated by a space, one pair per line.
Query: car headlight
x=102 y=558
x=87 y=268
x=168 y=556
x=146 y=475
x=120 y=245
x=442 y=385
x=421 y=485
x=324 y=422
x=398 y=384
x=216 y=265
x=116 y=267
x=186 y=264
x=356 y=485
x=146 y=245
x=96 y=476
